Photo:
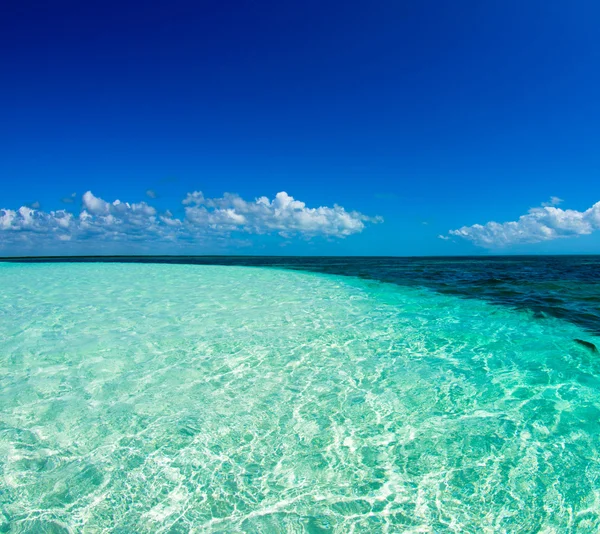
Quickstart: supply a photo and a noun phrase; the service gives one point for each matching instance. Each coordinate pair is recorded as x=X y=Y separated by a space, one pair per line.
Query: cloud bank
x=539 y=224
x=203 y=218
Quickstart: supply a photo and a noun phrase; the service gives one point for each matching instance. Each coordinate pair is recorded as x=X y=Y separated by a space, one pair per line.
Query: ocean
x=265 y=395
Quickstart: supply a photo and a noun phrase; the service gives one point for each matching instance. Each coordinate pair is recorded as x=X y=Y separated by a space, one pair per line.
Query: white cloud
x=214 y=218
x=194 y=198
x=539 y=224
x=283 y=214
x=554 y=201
x=94 y=205
x=117 y=220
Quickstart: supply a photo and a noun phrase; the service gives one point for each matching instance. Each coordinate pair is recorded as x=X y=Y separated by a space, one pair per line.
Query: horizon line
x=87 y=256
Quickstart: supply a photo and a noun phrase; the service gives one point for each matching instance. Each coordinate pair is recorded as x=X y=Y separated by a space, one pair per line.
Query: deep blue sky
x=445 y=113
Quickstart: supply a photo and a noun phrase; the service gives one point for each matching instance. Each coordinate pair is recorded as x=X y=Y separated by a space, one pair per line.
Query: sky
x=336 y=128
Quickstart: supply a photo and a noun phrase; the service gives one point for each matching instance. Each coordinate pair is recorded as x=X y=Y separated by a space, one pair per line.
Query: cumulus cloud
x=151 y=193
x=24 y=222
x=194 y=198
x=554 y=201
x=539 y=224
x=283 y=215
x=204 y=217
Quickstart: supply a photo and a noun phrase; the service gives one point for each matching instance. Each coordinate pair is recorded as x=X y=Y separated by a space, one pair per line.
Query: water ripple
x=174 y=398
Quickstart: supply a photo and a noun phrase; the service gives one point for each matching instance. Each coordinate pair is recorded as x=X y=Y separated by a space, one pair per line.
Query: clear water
x=190 y=398
x=567 y=287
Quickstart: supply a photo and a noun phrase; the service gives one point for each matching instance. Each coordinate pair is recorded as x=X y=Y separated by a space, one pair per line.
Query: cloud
x=69 y=199
x=194 y=198
x=283 y=215
x=25 y=222
x=554 y=201
x=117 y=220
x=539 y=224
x=212 y=218
x=151 y=193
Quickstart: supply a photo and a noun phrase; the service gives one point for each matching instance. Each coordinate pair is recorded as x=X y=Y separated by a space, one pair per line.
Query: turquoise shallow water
x=178 y=398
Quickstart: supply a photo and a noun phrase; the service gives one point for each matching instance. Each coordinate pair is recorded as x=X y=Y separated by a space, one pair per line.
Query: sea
x=176 y=394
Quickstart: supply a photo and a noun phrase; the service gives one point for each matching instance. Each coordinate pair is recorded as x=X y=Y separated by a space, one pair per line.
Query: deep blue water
x=566 y=287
